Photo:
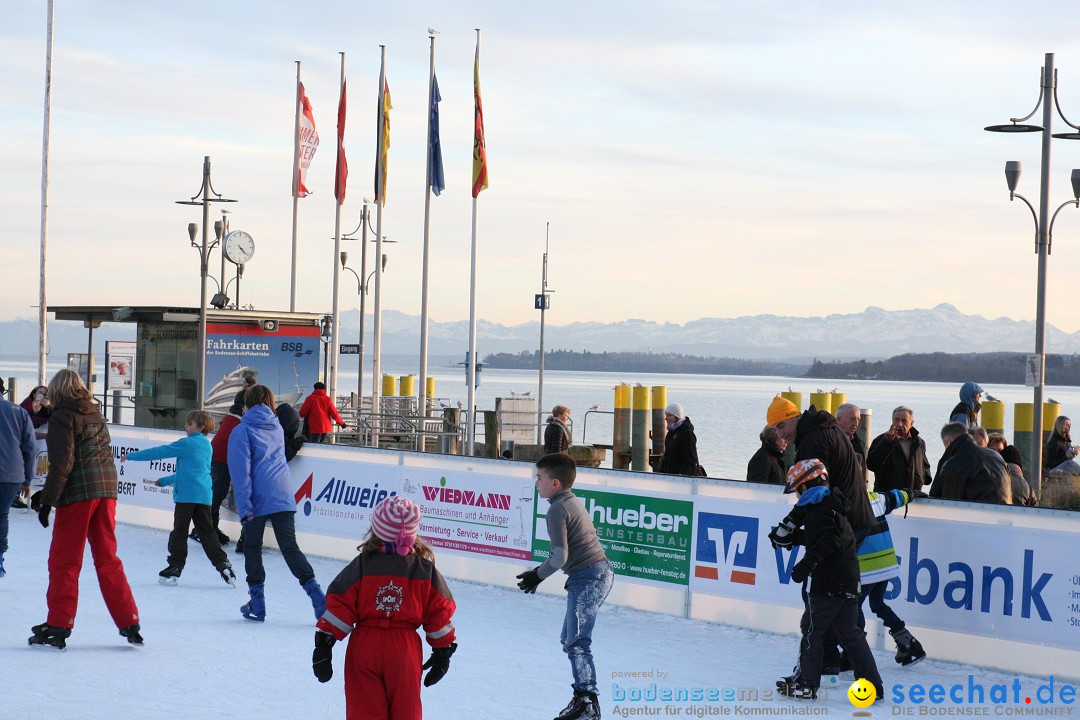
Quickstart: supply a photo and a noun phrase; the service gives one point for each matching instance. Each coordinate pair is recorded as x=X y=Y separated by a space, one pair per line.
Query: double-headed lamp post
x=1044 y=224
x=361 y=290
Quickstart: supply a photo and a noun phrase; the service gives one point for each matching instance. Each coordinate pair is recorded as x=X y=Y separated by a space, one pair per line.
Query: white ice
x=203 y=660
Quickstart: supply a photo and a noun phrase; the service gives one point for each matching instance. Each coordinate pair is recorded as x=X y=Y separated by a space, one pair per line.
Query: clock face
x=239 y=247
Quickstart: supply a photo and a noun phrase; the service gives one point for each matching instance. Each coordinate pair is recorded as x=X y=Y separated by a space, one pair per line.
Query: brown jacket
x=81 y=465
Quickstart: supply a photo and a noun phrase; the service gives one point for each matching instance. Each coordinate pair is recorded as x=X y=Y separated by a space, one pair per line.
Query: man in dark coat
x=816 y=435
x=969 y=472
x=680 y=444
x=898 y=457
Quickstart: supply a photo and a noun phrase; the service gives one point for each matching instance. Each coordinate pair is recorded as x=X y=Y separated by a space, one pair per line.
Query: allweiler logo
x=726 y=547
x=305 y=492
x=339 y=492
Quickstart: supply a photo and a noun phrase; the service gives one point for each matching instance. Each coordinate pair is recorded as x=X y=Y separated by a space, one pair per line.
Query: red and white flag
x=342 y=170
x=308 y=143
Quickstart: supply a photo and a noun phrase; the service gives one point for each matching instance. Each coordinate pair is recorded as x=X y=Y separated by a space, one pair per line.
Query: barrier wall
x=994 y=586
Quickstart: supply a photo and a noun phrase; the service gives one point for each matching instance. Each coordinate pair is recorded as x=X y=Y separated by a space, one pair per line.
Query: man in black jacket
x=970 y=472
x=898 y=457
x=816 y=435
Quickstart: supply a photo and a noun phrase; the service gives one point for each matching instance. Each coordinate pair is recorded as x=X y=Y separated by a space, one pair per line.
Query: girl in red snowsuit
x=382 y=597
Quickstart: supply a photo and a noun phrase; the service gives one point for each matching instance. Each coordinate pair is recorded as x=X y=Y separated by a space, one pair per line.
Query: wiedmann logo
x=726 y=545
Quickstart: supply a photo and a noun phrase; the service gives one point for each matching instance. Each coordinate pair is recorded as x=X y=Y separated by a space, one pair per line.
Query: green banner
x=643 y=536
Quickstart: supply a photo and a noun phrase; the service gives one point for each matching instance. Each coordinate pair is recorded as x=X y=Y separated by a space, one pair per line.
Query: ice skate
x=255 y=608
x=318 y=599
x=789 y=687
x=583 y=706
x=908 y=650
x=131 y=633
x=227 y=574
x=195 y=536
x=170 y=575
x=222 y=538
x=47 y=635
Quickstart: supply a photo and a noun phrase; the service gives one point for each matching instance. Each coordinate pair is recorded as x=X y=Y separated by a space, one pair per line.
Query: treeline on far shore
x=640 y=362
x=997 y=367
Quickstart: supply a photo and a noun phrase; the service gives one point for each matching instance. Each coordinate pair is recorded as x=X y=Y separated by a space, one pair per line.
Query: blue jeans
x=586 y=591
x=8 y=493
x=285 y=531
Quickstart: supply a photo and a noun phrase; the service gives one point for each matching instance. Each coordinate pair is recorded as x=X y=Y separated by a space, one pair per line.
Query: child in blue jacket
x=192 y=495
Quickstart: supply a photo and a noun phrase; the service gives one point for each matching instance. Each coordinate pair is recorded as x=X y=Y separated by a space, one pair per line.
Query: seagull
x=991 y=398
x=1052 y=401
x=432 y=32
x=595 y=407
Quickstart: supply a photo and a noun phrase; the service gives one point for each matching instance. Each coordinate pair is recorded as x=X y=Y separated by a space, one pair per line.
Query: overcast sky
x=694 y=159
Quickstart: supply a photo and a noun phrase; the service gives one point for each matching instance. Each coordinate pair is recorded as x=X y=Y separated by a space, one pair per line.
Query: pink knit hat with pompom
x=396 y=520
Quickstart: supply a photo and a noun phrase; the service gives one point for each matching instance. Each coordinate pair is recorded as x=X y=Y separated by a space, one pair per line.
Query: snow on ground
x=203 y=660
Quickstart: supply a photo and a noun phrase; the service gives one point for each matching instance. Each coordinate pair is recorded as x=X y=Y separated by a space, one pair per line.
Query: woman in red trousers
x=81 y=485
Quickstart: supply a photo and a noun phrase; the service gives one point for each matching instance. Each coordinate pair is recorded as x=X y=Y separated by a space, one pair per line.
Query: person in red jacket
x=382 y=597
x=319 y=410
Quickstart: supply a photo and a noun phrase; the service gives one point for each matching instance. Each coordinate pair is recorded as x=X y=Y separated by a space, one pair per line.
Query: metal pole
x=470 y=356
x=543 y=309
x=363 y=297
x=421 y=406
x=1049 y=80
x=376 y=341
x=204 y=260
x=90 y=355
x=46 y=124
x=295 y=189
x=337 y=270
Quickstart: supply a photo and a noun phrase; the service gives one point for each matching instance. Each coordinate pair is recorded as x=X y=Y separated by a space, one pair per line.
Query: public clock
x=239 y=247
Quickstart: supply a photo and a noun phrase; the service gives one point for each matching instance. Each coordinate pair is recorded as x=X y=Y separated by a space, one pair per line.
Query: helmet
x=804 y=472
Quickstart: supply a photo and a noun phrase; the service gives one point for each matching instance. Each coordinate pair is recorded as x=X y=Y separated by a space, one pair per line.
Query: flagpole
x=470 y=360
x=42 y=306
x=295 y=190
x=421 y=407
x=380 y=201
x=337 y=252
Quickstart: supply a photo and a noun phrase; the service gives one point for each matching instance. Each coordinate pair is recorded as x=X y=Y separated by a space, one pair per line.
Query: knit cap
x=396 y=520
x=676 y=410
x=780 y=409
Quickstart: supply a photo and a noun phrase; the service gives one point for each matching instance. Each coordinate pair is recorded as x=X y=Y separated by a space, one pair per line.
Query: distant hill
x=641 y=362
x=1001 y=368
x=873 y=334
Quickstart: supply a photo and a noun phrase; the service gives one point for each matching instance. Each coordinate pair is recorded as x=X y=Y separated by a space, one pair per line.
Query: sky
x=693 y=159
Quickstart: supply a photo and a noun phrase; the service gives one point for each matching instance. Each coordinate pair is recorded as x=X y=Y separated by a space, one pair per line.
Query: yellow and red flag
x=479 y=157
x=383 y=151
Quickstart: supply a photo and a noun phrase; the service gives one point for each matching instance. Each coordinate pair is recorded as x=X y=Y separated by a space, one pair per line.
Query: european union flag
x=435 y=166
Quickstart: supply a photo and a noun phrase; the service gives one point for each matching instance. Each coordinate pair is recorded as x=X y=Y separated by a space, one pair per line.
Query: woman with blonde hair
x=81 y=485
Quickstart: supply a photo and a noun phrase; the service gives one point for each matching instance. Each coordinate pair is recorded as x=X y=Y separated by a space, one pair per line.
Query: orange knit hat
x=780 y=409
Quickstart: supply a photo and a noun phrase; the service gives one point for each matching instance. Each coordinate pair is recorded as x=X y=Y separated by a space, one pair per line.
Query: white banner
x=309 y=143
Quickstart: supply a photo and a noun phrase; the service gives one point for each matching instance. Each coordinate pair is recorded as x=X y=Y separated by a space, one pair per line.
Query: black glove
x=439 y=662
x=43 y=514
x=530 y=580
x=322 y=656
x=801 y=571
x=783 y=535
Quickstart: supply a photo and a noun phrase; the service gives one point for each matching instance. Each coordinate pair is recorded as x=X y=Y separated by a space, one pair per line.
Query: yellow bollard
x=794 y=397
x=1051 y=411
x=389 y=386
x=430 y=387
x=822 y=401
x=659 y=427
x=642 y=419
x=620 y=434
x=408 y=385
x=1023 y=427
x=992 y=416
x=836 y=399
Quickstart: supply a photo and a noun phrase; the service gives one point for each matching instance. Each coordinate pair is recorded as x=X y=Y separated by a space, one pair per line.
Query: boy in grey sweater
x=577 y=551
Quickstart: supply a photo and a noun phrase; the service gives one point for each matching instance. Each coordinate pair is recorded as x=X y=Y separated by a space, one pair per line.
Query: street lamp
x=326 y=335
x=361 y=291
x=204 y=258
x=1043 y=230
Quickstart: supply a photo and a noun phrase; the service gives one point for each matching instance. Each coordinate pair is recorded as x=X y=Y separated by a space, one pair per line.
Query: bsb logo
x=726 y=546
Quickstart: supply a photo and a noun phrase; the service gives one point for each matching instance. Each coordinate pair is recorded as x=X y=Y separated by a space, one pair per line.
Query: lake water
x=728 y=411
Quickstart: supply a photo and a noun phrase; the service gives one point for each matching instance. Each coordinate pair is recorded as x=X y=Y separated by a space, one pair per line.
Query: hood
x=552 y=419
x=318 y=391
x=813 y=419
x=261 y=416
x=289 y=418
x=82 y=406
x=968 y=391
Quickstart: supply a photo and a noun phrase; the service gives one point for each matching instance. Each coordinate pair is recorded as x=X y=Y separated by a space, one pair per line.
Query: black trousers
x=840 y=614
x=183 y=515
x=222 y=481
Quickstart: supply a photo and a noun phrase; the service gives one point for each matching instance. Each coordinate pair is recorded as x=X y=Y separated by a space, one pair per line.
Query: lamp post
x=204 y=260
x=541 y=304
x=1043 y=231
x=326 y=335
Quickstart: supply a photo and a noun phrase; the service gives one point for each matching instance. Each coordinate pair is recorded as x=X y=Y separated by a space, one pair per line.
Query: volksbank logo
x=340 y=492
x=726 y=546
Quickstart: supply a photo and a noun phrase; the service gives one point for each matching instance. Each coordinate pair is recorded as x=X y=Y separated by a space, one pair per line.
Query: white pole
x=543 y=309
x=332 y=385
x=42 y=305
x=470 y=360
x=421 y=406
x=380 y=201
x=295 y=191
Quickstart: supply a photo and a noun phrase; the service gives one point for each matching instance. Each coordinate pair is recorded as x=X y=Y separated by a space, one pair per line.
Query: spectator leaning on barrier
x=967 y=410
x=969 y=472
x=848 y=417
x=897 y=457
x=680 y=444
x=319 y=410
x=767 y=464
x=557 y=432
x=1059 y=446
x=816 y=435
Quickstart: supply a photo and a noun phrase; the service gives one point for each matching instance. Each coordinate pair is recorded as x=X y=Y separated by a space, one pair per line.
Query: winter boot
x=255 y=608
x=318 y=600
x=170 y=575
x=788 y=686
x=131 y=633
x=222 y=538
x=49 y=636
x=584 y=706
x=227 y=574
x=908 y=650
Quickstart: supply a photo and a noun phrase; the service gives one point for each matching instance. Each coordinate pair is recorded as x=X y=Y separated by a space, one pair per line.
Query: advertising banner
x=645 y=535
x=286 y=360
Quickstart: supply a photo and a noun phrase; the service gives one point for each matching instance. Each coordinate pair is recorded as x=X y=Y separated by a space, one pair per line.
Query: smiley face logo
x=862 y=693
